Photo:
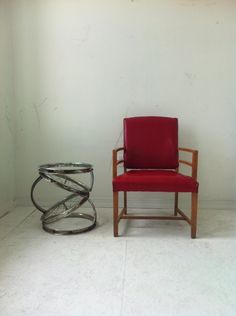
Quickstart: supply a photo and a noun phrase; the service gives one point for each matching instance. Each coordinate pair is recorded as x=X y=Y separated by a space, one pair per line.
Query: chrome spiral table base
x=55 y=217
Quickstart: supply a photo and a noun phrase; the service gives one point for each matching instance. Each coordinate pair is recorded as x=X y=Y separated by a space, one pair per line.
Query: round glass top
x=66 y=168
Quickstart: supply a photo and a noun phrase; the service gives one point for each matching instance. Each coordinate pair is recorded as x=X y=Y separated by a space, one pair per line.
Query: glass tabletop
x=66 y=168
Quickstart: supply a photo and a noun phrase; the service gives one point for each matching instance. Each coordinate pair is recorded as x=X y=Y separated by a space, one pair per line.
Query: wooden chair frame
x=178 y=213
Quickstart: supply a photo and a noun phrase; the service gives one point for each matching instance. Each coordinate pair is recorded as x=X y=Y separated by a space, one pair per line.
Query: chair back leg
x=115 y=212
x=194 y=215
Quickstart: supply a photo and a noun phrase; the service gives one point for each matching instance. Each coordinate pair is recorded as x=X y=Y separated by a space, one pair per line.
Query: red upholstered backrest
x=151 y=142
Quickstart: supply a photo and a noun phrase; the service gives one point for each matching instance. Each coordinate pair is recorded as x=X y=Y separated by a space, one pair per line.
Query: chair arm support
x=116 y=162
x=194 y=163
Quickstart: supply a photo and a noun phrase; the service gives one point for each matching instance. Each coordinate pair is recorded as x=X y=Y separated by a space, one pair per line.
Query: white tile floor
x=155 y=269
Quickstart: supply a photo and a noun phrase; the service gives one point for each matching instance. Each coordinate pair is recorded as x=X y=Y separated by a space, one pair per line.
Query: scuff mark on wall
x=158 y=107
x=42 y=103
x=37 y=114
x=3 y=215
x=190 y=76
x=36 y=109
x=80 y=40
x=8 y=118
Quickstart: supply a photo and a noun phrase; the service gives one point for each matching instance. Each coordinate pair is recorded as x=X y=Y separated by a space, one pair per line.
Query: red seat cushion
x=154 y=181
x=151 y=142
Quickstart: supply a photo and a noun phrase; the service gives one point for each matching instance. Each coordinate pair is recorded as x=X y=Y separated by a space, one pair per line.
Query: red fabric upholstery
x=154 y=181
x=151 y=142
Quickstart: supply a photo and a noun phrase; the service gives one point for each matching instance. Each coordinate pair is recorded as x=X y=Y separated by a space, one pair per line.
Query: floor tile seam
x=21 y=222
x=123 y=279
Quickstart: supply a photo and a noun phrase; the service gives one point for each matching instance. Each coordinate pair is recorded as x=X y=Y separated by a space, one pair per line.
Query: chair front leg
x=176 y=203
x=115 y=212
x=125 y=202
x=194 y=215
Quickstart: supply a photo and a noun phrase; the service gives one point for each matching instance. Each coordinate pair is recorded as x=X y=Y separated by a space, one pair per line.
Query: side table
x=55 y=218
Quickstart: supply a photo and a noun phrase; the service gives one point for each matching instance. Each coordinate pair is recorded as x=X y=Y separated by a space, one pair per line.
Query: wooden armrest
x=193 y=163
x=118 y=149
x=187 y=149
x=116 y=162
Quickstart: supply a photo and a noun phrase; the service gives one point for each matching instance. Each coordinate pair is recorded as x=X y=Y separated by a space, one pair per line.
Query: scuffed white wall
x=81 y=66
x=7 y=124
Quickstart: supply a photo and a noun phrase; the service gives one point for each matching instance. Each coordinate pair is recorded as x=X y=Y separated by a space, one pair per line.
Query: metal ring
x=91 y=218
x=40 y=208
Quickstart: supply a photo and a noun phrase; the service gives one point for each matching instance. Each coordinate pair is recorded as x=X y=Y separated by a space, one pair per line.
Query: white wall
x=81 y=66
x=7 y=125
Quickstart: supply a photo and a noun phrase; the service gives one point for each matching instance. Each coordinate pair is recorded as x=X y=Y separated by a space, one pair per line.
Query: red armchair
x=151 y=164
